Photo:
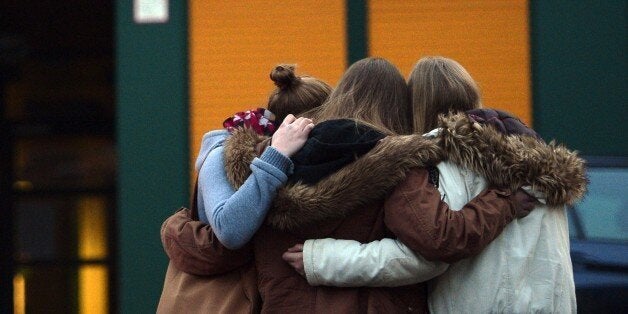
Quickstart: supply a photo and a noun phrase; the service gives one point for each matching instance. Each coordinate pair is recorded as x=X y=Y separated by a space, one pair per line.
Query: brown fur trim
x=369 y=179
x=240 y=150
x=513 y=161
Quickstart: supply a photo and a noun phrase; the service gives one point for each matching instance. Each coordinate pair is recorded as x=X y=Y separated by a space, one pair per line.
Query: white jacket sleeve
x=348 y=263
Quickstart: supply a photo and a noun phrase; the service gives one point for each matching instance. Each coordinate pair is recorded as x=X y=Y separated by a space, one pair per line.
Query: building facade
x=559 y=65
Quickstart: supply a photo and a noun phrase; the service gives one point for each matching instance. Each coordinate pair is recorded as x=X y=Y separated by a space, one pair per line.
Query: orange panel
x=489 y=38
x=234 y=45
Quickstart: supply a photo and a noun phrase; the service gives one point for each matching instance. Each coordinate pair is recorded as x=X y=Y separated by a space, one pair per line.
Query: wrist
x=277 y=159
x=308 y=263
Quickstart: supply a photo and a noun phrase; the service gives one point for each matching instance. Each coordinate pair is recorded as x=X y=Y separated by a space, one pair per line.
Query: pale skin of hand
x=291 y=135
x=294 y=257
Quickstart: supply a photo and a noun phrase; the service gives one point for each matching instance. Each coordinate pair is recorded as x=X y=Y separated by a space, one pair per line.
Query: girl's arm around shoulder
x=235 y=215
x=348 y=263
x=416 y=213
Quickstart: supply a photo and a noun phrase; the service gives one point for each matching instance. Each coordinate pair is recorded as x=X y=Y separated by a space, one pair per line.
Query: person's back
x=333 y=145
x=283 y=289
x=530 y=259
x=528 y=267
x=204 y=275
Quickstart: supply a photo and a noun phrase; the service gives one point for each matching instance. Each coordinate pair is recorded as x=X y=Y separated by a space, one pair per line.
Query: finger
x=289 y=119
x=291 y=258
x=309 y=127
x=293 y=249
x=296 y=249
x=306 y=123
x=286 y=257
x=299 y=121
x=303 y=121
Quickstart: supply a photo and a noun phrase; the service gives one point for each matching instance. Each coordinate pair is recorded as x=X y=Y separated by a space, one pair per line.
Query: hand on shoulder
x=291 y=135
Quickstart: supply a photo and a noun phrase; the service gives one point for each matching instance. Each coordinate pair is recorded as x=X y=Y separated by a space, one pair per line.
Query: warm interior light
x=19 y=294
x=92 y=244
x=93 y=287
x=23 y=185
x=92 y=228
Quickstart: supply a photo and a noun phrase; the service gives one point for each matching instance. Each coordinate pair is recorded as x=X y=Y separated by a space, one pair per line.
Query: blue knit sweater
x=235 y=215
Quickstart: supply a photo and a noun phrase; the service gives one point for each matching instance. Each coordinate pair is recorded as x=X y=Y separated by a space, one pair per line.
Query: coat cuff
x=278 y=160
x=309 y=261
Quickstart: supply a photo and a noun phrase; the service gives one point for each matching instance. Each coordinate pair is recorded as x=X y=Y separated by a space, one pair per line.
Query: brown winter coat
x=218 y=280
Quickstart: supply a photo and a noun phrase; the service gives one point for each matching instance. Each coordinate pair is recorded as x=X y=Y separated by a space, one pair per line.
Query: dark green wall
x=152 y=133
x=579 y=69
x=357 y=30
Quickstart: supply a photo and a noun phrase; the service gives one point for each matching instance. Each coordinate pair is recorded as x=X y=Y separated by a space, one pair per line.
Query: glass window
x=80 y=162
x=62 y=227
x=62 y=249
x=45 y=289
x=58 y=157
x=603 y=213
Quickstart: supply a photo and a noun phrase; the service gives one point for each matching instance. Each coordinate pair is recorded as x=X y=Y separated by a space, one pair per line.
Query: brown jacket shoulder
x=193 y=247
x=439 y=233
x=203 y=276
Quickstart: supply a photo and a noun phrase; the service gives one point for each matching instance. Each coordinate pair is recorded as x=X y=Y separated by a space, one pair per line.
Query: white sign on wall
x=150 y=11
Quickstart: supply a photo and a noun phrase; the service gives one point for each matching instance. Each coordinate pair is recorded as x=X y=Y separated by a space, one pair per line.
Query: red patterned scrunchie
x=261 y=120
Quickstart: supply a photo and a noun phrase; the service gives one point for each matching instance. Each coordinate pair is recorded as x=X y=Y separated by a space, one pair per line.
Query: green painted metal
x=152 y=138
x=357 y=30
x=579 y=68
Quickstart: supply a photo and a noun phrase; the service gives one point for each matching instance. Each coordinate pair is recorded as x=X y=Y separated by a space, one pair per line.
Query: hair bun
x=283 y=76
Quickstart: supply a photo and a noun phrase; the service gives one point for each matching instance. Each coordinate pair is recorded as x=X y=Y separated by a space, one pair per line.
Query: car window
x=603 y=213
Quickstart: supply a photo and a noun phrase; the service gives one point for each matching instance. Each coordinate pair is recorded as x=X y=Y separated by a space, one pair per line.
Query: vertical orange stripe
x=93 y=287
x=489 y=38
x=19 y=293
x=234 y=45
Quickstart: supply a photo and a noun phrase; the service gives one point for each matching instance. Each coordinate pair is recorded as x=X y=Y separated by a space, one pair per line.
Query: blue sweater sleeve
x=235 y=215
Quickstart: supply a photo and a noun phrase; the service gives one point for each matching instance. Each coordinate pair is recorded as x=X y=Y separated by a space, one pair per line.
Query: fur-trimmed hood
x=514 y=160
x=504 y=160
x=368 y=179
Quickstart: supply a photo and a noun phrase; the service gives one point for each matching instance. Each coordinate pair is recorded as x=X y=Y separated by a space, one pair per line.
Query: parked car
x=598 y=228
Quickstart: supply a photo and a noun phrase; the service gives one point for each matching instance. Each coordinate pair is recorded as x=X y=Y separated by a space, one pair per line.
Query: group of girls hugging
x=381 y=195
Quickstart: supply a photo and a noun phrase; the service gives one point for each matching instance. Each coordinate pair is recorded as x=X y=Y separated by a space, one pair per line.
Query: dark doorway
x=58 y=157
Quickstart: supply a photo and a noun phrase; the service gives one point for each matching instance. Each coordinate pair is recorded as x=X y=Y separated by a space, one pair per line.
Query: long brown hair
x=295 y=94
x=371 y=91
x=438 y=85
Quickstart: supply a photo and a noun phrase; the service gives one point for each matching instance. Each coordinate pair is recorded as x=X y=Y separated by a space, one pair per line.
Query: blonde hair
x=295 y=94
x=372 y=91
x=439 y=85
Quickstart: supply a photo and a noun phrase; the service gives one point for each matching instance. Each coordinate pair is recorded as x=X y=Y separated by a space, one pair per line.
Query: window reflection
x=62 y=227
x=603 y=213
x=64 y=163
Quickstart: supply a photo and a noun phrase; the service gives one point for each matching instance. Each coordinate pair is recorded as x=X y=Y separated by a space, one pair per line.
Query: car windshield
x=603 y=213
